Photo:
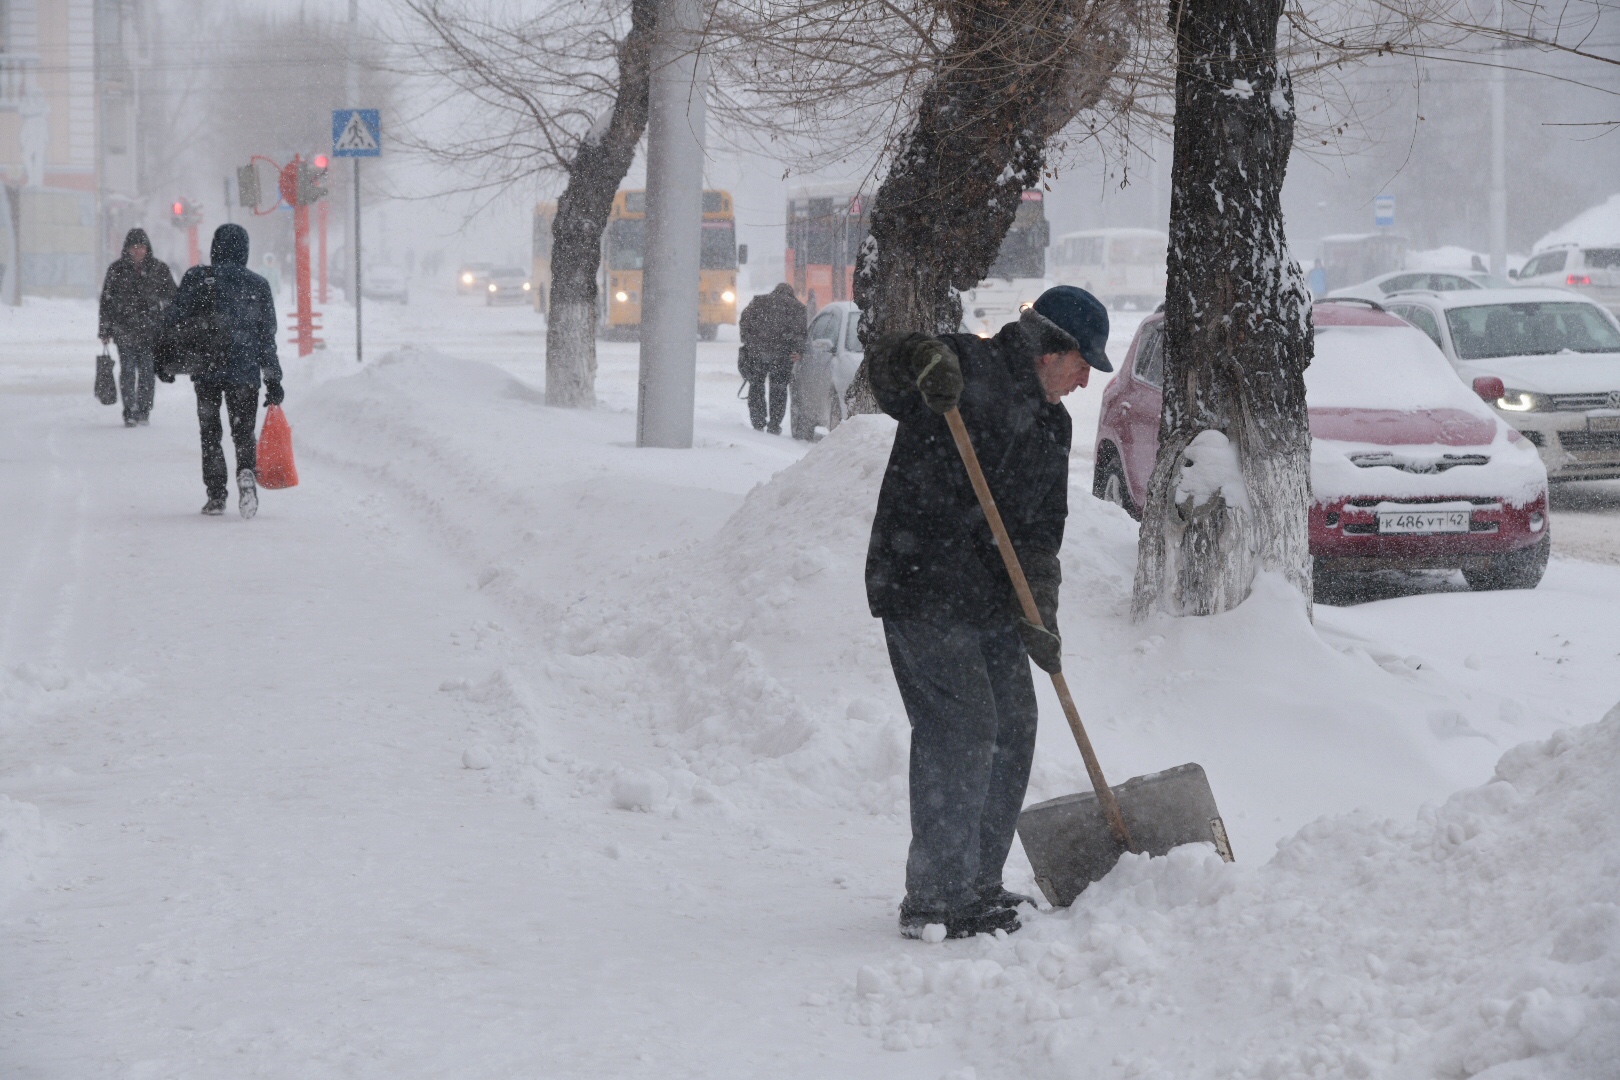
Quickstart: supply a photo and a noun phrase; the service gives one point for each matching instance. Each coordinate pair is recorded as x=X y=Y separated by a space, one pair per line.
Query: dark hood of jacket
x=137 y=237
x=230 y=246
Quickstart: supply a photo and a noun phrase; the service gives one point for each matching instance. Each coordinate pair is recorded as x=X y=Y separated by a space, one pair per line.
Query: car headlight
x=729 y=297
x=622 y=297
x=525 y=286
x=1518 y=401
x=466 y=279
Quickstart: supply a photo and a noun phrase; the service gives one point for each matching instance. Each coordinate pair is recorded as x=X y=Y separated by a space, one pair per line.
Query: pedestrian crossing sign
x=356 y=133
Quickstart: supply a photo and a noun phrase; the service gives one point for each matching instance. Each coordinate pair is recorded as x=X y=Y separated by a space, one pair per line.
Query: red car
x=1410 y=469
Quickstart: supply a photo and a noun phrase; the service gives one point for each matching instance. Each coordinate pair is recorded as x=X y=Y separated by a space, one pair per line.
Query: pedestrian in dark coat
x=958 y=643
x=243 y=303
x=137 y=288
x=772 y=328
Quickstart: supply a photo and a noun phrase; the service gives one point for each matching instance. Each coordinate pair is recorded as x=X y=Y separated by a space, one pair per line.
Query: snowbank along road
x=500 y=747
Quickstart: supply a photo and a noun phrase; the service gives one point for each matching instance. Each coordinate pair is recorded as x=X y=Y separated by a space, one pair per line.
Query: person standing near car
x=772 y=328
x=137 y=288
x=957 y=640
x=239 y=300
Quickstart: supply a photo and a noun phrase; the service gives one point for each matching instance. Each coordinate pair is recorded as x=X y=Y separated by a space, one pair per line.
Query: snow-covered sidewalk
x=500 y=748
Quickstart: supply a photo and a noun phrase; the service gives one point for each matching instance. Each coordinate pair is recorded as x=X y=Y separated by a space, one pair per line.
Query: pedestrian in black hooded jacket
x=137 y=288
x=248 y=312
x=772 y=329
x=957 y=640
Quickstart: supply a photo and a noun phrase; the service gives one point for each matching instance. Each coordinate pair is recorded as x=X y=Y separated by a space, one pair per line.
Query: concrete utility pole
x=1499 y=152
x=669 y=309
x=352 y=94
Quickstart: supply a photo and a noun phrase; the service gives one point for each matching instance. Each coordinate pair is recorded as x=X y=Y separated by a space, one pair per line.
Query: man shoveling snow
x=958 y=643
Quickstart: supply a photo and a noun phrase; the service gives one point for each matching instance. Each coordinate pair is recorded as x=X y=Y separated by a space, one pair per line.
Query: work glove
x=273 y=394
x=1044 y=574
x=165 y=374
x=938 y=374
x=900 y=362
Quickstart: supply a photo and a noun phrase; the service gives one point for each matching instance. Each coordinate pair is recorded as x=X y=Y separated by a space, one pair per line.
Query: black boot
x=977 y=918
x=999 y=896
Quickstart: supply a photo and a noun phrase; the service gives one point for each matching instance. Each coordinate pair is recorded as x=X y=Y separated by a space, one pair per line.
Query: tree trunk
x=1230 y=490
x=1015 y=73
x=594 y=175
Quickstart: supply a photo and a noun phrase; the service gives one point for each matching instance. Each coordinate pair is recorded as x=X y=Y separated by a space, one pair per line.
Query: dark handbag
x=195 y=344
x=106 y=388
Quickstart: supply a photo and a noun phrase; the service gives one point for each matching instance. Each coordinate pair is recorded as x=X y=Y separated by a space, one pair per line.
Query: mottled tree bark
x=1015 y=73
x=1238 y=330
x=594 y=175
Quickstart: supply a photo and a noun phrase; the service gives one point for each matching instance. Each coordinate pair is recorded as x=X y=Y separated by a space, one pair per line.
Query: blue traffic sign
x=356 y=133
x=1384 y=211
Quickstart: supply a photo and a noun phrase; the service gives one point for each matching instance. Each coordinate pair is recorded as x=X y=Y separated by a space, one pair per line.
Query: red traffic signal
x=320 y=161
x=183 y=213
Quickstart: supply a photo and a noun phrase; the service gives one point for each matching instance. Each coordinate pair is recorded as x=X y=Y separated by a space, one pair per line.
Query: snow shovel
x=1075 y=840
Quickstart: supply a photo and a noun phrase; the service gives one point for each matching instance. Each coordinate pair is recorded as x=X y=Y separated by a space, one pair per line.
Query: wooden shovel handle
x=1026 y=600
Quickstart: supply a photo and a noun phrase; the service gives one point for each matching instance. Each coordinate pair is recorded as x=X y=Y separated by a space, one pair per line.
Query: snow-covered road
x=350 y=790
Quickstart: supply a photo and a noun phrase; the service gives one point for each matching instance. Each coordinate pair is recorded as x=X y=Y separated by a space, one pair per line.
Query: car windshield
x=509 y=272
x=1530 y=329
x=719 y=247
x=625 y=238
x=1380 y=367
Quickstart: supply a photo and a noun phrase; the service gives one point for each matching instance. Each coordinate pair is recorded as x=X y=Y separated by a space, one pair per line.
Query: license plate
x=1603 y=423
x=1424 y=521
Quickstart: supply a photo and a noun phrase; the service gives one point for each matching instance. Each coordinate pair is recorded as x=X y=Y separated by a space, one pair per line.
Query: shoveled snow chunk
x=639 y=789
x=1209 y=467
x=476 y=757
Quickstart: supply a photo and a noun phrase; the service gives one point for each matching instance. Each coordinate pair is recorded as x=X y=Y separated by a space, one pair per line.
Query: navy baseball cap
x=1081 y=316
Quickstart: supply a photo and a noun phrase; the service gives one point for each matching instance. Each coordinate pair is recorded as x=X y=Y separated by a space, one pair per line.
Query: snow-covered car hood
x=1564 y=373
x=1389 y=417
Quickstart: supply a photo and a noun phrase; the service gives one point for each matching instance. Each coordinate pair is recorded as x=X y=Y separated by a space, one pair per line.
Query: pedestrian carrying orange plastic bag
x=275 y=467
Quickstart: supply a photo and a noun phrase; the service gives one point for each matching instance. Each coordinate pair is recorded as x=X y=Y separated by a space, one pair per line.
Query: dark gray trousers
x=135 y=378
x=242 y=405
x=971 y=702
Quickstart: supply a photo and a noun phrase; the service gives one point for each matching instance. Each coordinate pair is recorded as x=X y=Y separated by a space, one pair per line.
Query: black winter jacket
x=246 y=304
x=773 y=326
x=133 y=296
x=931 y=555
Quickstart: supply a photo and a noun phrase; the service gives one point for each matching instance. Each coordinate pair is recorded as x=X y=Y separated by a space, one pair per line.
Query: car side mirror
x=742 y=254
x=1490 y=388
x=1513 y=274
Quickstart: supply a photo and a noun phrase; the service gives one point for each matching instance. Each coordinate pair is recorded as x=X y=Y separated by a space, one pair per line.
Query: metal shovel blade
x=1069 y=844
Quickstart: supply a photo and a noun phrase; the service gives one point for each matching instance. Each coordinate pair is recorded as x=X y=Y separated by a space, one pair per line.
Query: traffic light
x=311 y=182
x=183 y=213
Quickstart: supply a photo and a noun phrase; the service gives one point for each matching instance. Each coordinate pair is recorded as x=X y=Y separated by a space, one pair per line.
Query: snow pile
x=35 y=689
x=755 y=646
x=22 y=838
x=1480 y=940
x=1599 y=224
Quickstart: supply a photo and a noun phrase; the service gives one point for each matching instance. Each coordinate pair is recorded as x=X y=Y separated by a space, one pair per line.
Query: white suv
x=1594 y=272
x=1548 y=360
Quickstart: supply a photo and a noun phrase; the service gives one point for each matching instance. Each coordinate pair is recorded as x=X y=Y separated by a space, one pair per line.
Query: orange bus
x=623 y=249
x=825 y=227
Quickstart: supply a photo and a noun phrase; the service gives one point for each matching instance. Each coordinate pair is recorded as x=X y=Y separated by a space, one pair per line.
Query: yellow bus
x=544 y=213
x=623 y=247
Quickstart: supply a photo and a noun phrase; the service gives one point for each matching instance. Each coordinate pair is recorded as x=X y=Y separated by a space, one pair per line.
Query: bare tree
x=561 y=93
